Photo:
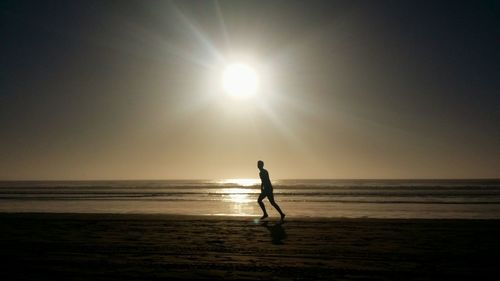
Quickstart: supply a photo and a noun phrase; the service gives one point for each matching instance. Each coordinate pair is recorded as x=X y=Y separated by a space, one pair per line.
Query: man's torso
x=266 y=182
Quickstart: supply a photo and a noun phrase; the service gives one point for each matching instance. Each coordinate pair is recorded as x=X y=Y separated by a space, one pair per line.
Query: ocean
x=428 y=199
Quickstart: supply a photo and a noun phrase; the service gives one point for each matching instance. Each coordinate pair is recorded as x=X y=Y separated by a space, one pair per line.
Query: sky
x=346 y=89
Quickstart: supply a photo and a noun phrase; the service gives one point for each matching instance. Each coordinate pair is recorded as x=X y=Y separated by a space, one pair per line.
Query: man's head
x=260 y=164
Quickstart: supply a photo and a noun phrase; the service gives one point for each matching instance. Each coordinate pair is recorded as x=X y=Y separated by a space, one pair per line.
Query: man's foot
x=282 y=217
x=264 y=216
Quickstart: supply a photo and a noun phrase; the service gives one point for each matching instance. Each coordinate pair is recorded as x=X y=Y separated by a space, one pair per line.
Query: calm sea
x=297 y=198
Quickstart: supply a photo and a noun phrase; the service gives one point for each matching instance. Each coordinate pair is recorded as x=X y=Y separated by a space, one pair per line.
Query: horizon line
x=217 y=179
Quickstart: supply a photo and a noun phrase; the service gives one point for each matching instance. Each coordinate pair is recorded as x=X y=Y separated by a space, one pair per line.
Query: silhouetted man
x=266 y=190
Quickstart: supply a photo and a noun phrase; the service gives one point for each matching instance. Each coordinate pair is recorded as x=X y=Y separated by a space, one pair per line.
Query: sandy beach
x=153 y=247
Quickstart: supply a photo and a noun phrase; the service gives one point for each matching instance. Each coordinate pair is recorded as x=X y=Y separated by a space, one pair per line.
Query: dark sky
x=349 y=89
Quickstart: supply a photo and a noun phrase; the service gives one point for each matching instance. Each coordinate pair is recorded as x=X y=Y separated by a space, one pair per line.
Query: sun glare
x=237 y=195
x=241 y=182
x=240 y=80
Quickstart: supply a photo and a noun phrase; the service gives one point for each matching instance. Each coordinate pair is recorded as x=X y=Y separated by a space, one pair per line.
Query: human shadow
x=277 y=232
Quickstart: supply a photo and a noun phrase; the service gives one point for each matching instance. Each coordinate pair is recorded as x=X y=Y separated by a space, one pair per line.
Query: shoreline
x=157 y=216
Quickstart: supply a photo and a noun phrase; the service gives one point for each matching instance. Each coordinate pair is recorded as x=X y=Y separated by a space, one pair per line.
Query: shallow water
x=298 y=198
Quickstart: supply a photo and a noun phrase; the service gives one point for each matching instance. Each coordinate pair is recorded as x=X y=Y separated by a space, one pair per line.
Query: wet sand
x=161 y=247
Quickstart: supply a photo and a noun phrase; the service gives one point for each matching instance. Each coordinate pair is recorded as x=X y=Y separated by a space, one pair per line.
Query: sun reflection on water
x=241 y=193
x=240 y=182
x=239 y=198
x=237 y=195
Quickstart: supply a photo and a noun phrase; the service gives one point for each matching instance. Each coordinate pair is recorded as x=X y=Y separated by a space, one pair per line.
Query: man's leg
x=261 y=204
x=275 y=205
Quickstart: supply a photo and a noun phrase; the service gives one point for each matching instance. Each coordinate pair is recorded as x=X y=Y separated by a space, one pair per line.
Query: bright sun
x=240 y=80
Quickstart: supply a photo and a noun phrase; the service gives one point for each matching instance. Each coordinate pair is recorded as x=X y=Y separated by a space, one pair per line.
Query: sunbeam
x=199 y=36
